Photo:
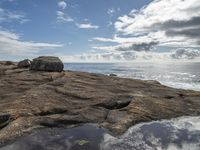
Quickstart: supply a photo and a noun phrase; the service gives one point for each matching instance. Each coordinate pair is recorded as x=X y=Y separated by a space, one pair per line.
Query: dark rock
x=47 y=63
x=8 y=63
x=4 y=119
x=58 y=120
x=113 y=75
x=116 y=103
x=26 y=63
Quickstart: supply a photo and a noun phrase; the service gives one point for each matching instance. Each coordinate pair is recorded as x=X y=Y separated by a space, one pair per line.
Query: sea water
x=184 y=75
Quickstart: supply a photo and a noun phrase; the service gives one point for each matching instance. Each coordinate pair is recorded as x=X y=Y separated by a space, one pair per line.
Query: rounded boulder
x=47 y=63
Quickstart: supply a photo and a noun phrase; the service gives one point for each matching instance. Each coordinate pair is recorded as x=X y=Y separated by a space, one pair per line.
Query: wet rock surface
x=86 y=137
x=181 y=133
x=37 y=99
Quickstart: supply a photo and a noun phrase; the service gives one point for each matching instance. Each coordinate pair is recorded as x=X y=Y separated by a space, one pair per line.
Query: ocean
x=183 y=75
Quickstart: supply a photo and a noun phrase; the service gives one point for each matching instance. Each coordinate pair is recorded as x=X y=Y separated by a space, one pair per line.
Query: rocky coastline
x=32 y=99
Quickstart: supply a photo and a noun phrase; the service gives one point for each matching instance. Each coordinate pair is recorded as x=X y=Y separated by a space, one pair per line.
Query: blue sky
x=99 y=30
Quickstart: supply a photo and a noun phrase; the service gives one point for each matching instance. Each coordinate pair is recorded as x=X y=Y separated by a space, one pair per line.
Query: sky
x=100 y=30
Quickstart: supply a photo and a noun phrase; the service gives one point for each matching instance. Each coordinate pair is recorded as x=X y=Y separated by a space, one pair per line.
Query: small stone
x=113 y=75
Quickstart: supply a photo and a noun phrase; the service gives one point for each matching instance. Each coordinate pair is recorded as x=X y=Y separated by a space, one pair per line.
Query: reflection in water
x=86 y=137
x=177 y=134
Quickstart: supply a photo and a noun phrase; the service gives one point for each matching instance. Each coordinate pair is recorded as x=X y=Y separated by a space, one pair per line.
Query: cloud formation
x=145 y=46
x=185 y=53
x=62 y=4
x=86 y=26
x=179 y=54
x=112 y=11
x=61 y=17
x=11 y=44
x=173 y=24
x=175 y=18
x=9 y=16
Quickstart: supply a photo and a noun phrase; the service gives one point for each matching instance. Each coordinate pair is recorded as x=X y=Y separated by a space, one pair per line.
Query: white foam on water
x=182 y=85
x=185 y=146
x=182 y=75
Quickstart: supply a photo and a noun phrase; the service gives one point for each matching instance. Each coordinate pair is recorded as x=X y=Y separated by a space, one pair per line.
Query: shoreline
x=37 y=99
x=183 y=77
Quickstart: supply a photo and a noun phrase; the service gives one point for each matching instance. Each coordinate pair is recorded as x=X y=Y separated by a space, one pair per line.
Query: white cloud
x=11 y=44
x=174 y=20
x=112 y=11
x=9 y=16
x=62 y=4
x=86 y=26
x=125 y=40
x=61 y=17
x=132 y=56
x=187 y=53
x=159 y=11
x=172 y=24
x=144 y=43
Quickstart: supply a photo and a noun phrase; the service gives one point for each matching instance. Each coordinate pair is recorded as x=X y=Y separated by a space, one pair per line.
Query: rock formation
x=32 y=100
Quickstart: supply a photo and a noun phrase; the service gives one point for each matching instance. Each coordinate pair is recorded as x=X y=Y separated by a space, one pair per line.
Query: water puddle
x=86 y=137
x=176 y=134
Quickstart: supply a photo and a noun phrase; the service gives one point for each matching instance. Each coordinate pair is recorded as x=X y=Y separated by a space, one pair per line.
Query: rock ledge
x=32 y=100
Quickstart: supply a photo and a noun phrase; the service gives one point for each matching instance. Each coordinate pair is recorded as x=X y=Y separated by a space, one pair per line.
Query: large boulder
x=47 y=63
x=26 y=63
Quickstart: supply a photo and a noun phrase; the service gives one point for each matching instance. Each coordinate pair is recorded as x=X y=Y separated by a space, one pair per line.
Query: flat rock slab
x=37 y=100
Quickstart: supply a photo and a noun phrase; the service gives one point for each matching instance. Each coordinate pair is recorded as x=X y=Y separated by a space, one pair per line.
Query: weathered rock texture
x=47 y=63
x=31 y=100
